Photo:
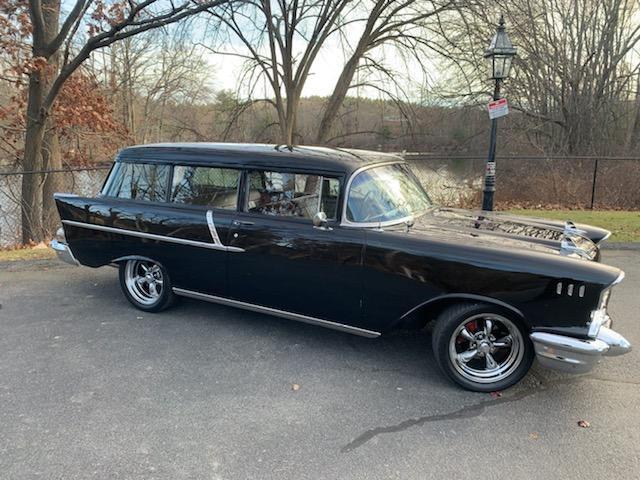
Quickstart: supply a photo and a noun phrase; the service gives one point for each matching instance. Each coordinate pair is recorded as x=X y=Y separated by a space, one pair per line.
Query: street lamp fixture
x=499 y=55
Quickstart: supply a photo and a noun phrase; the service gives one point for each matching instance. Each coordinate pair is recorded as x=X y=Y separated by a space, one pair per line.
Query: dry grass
x=624 y=225
x=37 y=252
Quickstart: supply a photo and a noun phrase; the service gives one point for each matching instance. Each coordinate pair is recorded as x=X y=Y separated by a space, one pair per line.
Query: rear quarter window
x=138 y=181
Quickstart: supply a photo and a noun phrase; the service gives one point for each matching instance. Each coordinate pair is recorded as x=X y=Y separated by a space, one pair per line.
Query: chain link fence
x=82 y=181
x=522 y=181
x=533 y=182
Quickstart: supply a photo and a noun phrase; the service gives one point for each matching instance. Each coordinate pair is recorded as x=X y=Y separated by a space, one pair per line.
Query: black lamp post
x=499 y=54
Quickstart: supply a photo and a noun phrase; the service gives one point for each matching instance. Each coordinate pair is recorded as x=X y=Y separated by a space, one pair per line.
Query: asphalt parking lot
x=92 y=388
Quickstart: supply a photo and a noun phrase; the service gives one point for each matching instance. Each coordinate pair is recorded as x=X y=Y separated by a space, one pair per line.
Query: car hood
x=503 y=230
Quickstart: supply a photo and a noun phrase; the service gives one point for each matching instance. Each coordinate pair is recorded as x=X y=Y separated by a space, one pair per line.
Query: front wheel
x=146 y=285
x=482 y=347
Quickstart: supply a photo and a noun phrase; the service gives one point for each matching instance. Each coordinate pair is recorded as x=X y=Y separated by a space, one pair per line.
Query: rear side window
x=138 y=181
x=292 y=194
x=210 y=186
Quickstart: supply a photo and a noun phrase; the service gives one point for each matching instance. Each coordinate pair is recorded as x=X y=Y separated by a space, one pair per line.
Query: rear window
x=210 y=186
x=138 y=181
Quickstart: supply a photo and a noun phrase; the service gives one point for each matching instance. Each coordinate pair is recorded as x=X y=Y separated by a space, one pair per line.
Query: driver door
x=287 y=263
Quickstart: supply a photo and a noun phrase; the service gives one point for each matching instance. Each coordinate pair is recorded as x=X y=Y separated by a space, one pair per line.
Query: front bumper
x=573 y=355
x=64 y=252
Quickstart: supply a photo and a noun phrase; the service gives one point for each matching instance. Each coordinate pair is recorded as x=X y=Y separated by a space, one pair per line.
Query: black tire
x=140 y=296
x=454 y=356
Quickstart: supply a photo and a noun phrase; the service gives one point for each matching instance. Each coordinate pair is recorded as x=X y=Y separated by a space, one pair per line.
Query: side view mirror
x=320 y=220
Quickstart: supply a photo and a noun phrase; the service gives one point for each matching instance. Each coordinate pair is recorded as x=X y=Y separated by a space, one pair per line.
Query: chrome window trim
x=345 y=222
x=109 y=179
x=321 y=178
x=152 y=236
x=278 y=313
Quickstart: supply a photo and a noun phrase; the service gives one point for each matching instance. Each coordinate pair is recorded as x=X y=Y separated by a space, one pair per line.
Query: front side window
x=292 y=194
x=384 y=194
x=138 y=181
x=209 y=186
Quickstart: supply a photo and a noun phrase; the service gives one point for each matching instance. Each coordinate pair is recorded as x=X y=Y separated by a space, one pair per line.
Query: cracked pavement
x=91 y=388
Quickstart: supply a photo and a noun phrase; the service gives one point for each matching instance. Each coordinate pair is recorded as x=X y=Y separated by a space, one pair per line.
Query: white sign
x=498 y=108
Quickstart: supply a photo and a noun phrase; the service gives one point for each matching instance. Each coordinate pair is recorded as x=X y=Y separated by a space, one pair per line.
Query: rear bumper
x=573 y=355
x=64 y=252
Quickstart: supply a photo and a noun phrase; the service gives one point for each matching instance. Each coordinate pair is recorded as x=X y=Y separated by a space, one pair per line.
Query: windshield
x=384 y=194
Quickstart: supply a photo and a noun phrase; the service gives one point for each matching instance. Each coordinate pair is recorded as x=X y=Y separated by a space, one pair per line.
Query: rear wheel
x=146 y=285
x=482 y=347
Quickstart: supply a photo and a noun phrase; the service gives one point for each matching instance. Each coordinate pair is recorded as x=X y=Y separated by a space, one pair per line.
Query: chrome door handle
x=238 y=223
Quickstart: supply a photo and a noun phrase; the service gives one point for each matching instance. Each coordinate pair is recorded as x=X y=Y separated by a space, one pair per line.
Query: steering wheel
x=371 y=213
x=390 y=213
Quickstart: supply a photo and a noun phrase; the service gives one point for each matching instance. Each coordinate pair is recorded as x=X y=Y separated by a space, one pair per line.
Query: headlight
x=598 y=318
x=604 y=299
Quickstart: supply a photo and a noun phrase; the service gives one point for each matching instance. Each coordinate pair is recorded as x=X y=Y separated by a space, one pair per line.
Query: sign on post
x=498 y=108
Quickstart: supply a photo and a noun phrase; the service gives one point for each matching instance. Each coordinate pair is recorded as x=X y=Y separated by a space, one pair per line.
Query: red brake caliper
x=472 y=327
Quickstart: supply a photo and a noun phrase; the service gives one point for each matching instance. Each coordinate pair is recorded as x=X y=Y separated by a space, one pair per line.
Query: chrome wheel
x=486 y=348
x=144 y=281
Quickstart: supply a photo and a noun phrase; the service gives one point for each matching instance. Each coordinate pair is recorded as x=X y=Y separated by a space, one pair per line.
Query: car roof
x=258 y=155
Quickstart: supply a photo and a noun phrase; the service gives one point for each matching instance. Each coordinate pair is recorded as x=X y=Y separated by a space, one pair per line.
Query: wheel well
x=422 y=315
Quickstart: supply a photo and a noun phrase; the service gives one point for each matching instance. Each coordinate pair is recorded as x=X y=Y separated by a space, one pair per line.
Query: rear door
x=287 y=263
x=208 y=195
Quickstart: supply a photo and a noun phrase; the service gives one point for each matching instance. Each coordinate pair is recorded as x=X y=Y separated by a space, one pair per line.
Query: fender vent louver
x=570 y=290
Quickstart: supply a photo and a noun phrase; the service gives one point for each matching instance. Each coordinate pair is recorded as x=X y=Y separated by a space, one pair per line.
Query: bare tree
x=151 y=72
x=281 y=42
x=59 y=49
x=404 y=27
x=573 y=76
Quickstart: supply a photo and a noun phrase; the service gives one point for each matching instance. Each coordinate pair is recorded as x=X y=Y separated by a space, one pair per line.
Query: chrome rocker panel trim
x=573 y=355
x=64 y=253
x=152 y=236
x=278 y=313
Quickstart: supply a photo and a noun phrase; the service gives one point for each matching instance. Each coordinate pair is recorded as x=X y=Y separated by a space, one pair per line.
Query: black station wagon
x=273 y=229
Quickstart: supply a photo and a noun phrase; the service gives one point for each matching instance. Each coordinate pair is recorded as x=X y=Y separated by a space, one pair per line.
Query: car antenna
x=283 y=145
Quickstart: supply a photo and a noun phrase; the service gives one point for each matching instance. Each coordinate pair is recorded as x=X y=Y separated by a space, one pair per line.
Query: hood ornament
x=571 y=229
x=571 y=237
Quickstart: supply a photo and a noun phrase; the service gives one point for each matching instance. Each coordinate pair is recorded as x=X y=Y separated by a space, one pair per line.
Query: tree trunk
x=32 y=183
x=39 y=81
x=633 y=135
x=54 y=182
x=337 y=98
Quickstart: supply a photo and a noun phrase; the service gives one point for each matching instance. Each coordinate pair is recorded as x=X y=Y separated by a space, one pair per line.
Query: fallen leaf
x=583 y=424
x=495 y=394
x=295 y=387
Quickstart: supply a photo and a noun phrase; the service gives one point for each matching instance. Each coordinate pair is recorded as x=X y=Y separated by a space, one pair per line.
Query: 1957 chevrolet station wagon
x=348 y=240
